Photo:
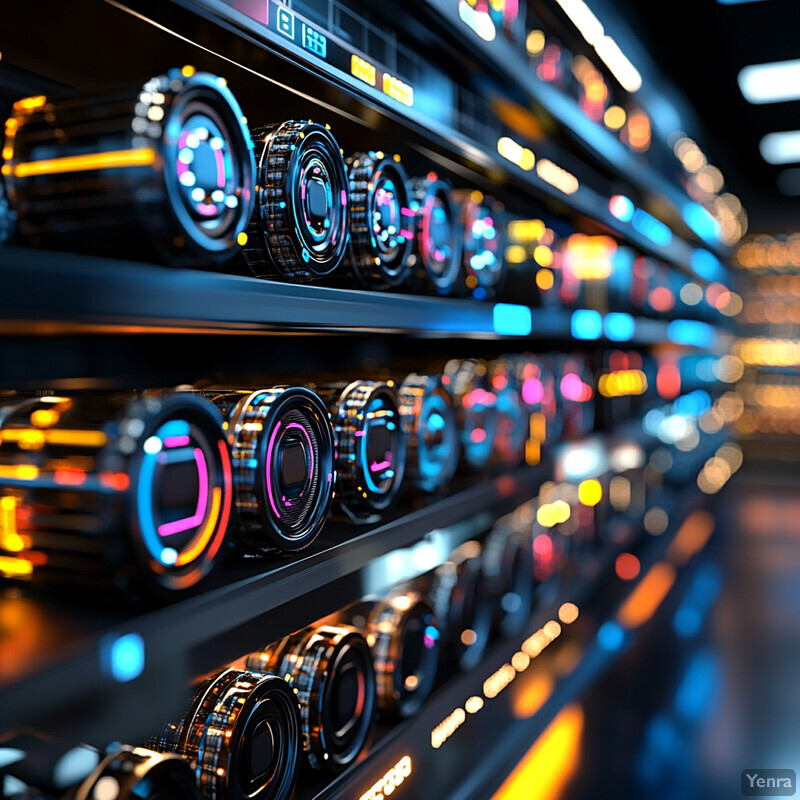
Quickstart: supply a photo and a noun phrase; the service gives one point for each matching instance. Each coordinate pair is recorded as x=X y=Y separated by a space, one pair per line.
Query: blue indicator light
x=509 y=319
x=123 y=656
x=691 y=332
x=701 y=222
x=286 y=22
x=655 y=230
x=697 y=691
x=315 y=41
x=705 y=265
x=687 y=622
x=586 y=324
x=610 y=636
x=619 y=327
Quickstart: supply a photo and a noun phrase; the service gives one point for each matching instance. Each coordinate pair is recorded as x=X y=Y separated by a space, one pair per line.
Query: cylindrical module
x=371 y=448
x=381 y=221
x=282 y=452
x=428 y=417
x=512 y=417
x=127 y=491
x=438 y=236
x=299 y=230
x=330 y=670
x=482 y=252
x=463 y=605
x=167 y=168
x=403 y=634
x=476 y=409
x=242 y=735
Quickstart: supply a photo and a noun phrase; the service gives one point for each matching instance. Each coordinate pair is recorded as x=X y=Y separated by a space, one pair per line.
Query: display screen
x=379 y=448
x=293 y=465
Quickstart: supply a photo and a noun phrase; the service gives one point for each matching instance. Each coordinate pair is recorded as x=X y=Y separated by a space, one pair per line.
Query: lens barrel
x=512 y=417
x=371 y=448
x=330 y=670
x=438 y=236
x=167 y=167
x=428 y=418
x=482 y=253
x=299 y=231
x=282 y=451
x=241 y=733
x=131 y=491
x=381 y=220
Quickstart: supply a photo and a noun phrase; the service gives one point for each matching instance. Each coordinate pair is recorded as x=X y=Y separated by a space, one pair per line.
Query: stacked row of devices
x=185 y=472
x=171 y=170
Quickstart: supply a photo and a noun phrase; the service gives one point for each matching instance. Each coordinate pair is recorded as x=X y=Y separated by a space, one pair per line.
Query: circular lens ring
x=178 y=101
x=178 y=425
x=312 y=661
x=141 y=774
x=508 y=563
x=512 y=416
x=402 y=694
x=429 y=423
x=218 y=732
x=381 y=220
x=440 y=268
x=299 y=231
x=476 y=409
x=262 y=427
x=366 y=486
x=482 y=254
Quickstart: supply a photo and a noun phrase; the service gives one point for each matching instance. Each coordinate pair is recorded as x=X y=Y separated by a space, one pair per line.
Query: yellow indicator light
x=615 y=117
x=22 y=472
x=526 y=230
x=188 y=71
x=534 y=43
x=139 y=157
x=397 y=89
x=516 y=153
x=545 y=279
x=8 y=153
x=568 y=613
x=622 y=382
x=515 y=254
x=44 y=417
x=242 y=239
x=29 y=104
x=11 y=567
x=557 y=176
x=363 y=70
x=590 y=492
x=543 y=255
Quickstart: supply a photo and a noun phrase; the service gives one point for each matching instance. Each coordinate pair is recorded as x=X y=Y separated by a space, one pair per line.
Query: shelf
x=482 y=751
x=47 y=293
x=54 y=657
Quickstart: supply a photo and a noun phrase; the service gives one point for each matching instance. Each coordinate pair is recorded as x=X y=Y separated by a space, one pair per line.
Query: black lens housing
x=330 y=669
x=482 y=254
x=381 y=220
x=404 y=637
x=428 y=416
x=476 y=409
x=152 y=471
x=242 y=734
x=141 y=774
x=100 y=172
x=367 y=424
x=273 y=433
x=437 y=257
x=299 y=231
x=463 y=605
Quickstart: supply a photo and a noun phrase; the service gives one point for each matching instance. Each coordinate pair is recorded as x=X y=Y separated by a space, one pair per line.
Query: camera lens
x=512 y=417
x=170 y=164
x=429 y=423
x=299 y=231
x=482 y=254
x=135 y=773
x=381 y=222
x=438 y=234
x=508 y=564
x=476 y=409
x=154 y=466
x=282 y=449
x=403 y=634
x=242 y=734
x=463 y=605
x=330 y=669
x=371 y=450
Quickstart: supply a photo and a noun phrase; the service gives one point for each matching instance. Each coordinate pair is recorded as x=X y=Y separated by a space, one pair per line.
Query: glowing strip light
x=11 y=567
x=516 y=153
x=590 y=27
x=648 y=595
x=398 y=90
x=622 y=382
x=509 y=319
x=557 y=176
x=113 y=159
x=780 y=148
x=390 y=781
x=776 y=82
x=701 y=222
x=58 y=436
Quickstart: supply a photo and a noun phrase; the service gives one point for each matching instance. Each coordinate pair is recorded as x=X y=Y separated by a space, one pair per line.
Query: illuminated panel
x=398 y=90
x=511 y=320
x=622 y=382
x=589 y=257
x=363 y=70
x=390 y=781
x=557 y=176
x=447 y=727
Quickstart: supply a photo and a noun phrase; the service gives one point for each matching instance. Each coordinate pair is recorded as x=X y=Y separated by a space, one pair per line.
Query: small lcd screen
x=379 y=444
x=293 y=464
x=177 y=490
x=317 y=198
